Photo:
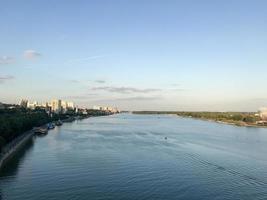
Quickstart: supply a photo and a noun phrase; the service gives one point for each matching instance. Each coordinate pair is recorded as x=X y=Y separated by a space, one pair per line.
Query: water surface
x=140 y=157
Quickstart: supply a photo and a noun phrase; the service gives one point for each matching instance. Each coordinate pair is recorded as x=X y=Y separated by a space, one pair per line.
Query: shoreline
x=238 y=123
x=13 y=147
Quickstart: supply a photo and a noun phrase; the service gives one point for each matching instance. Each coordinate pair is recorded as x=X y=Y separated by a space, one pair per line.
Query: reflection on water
x=10 y=168
x=141 y=157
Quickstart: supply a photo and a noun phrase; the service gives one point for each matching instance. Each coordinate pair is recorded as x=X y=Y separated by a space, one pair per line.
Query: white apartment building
x=67 y=106
x=56 y=106
x=263 y=114
x=105 y=108
x=33 y=105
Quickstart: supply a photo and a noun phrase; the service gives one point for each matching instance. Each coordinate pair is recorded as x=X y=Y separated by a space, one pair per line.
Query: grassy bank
x=235 y=118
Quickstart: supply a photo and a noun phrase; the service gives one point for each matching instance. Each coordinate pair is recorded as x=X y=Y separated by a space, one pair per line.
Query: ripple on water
x=128 y=157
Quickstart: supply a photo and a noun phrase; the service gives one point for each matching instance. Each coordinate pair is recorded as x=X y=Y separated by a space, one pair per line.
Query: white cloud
x=85 y=59
x=126 y=90
x=6 y=78
x=6 y=60
x=139 y=98
x=31 y=54
x=100 y=81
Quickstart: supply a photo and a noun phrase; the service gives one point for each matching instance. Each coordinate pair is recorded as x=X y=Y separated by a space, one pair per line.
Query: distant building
x=106 y=108
x=97 y=108
x=263 y=114
x=70 y=105
x=33 y=105
x=56 y=106
x=23 y=103
x=66 y=105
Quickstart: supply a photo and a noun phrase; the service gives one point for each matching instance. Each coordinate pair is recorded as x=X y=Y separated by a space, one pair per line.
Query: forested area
x=14 y=122
x=245 y=117
x=17 y=120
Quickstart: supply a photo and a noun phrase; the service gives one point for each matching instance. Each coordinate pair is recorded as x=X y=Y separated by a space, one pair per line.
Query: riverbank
x=232 y=123
x=10 y=149
x=16 y=120
x=96 y=158
x=244 y=119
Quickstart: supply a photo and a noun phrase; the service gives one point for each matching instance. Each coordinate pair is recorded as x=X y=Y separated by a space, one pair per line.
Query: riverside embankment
x=10 y=149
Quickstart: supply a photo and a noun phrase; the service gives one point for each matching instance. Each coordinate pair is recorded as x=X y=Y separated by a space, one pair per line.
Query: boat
x=40 y=130
x=50 y=126
x=70 y=119
x=59 y=123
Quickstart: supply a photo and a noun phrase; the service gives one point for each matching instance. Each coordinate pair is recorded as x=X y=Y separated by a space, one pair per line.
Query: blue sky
x=137 y=55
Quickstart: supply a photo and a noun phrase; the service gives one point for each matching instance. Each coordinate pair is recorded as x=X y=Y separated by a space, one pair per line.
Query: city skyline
x=136 y=55
x=59 y=105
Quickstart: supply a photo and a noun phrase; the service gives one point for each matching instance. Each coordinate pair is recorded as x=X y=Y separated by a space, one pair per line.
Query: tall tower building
x=56 y=106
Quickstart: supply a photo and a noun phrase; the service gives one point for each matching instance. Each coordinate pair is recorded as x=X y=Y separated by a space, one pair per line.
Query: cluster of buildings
x=106 y=108
x=60 y=106
x=55 y=106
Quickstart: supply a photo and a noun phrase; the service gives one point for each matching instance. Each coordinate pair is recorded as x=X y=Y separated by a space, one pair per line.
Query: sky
x=190 y=55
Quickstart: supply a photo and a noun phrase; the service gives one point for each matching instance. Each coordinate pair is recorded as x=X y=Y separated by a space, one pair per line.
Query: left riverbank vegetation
x=15 y=120
x=235 y=118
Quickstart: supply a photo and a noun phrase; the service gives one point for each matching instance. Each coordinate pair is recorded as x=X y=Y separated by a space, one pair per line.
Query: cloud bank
x=139 y=98
x=100 y=81
x=126 y=90
x=6 y=60
x=31 y=54
x=6 y=78
x=85 y=59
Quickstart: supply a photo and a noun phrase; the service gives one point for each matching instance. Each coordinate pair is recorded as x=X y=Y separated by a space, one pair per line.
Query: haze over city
x=136 y=55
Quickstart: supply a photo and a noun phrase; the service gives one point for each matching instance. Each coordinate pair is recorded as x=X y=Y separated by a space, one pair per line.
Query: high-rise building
x=23 y=103
x=56 y=106
x=66 y=105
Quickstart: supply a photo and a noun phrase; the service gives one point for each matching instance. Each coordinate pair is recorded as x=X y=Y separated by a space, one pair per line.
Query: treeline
x=217 y=116
x=14 y=122
x=223 y=116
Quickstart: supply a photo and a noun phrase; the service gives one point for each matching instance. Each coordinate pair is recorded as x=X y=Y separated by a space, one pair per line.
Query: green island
x=234 y=118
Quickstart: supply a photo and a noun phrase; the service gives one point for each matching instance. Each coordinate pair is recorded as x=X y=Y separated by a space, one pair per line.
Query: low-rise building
x=263 y=113
x=23 y=103
x=106 y=108
x=33 y=105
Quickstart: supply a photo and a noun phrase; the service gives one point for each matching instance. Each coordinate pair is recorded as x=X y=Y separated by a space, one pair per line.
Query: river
x=128 y=156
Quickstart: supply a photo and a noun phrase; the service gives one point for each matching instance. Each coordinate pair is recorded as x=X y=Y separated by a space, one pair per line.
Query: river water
x=129 y=156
